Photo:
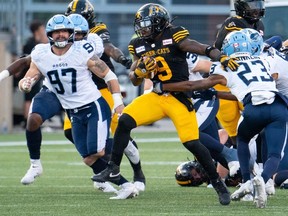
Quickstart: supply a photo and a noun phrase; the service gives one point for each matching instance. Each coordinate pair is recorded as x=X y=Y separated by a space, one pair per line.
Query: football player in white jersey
x=45 y=105
x=65 y=64
x=280 y=75
x=264 y=108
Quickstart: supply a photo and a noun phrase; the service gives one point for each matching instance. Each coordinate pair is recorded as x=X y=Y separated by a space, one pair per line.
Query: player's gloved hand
x=126 y=62
x=146 y=68
x=157 y=87
x=207 y=94
x=231 y=63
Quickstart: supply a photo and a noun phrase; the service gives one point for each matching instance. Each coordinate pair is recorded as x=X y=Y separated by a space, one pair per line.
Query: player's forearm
x=15 y=67
x=186 y=86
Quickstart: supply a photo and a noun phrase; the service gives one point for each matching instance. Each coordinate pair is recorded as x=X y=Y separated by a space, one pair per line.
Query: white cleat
x=106 y=187
x=128 y=190
x=140 y=186
x=34 y=171
x=247 y=198
x=260 y=197
x=233 y=167
x=269 y=187
x=245 y=188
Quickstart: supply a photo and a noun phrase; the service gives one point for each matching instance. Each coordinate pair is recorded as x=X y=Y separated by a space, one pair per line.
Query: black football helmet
x=190 y=173
x=150 y=20
x=250 y=10
x=83 y=7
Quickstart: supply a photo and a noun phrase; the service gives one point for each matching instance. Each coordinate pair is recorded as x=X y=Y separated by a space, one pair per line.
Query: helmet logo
x=138 y=15
x=153 y=10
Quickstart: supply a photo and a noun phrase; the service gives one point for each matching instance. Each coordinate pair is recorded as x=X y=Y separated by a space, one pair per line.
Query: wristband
x=208 y=50
x=110 y=76
x=117 y=98
x=4 y=74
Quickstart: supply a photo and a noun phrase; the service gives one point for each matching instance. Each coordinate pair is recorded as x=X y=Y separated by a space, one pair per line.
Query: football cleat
x=34 y=171
x=245 y=188
x=247 y=198
x=269 y=187
x=106 y=187
x=127 y=191
x=139 y=180
x=111 y=173
x=222 y=191
x=260 y=197
x=140 y=186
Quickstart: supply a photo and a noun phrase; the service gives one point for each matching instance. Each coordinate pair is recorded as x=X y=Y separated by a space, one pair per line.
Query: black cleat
x=222 y=191
x=111 y=173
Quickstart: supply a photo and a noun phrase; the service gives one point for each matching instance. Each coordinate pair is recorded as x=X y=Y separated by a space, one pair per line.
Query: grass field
x=65 y=187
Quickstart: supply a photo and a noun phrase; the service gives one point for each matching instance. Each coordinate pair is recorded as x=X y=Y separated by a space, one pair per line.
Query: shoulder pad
x=179 y=33
x=98 y=27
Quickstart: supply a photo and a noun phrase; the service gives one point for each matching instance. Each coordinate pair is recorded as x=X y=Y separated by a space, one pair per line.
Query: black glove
x=208 y=94
x=126 y=62
x=231 y=63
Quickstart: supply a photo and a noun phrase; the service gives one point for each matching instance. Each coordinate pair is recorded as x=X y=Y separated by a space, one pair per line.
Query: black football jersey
x=171 y=61
x=101 y=30
x=235 y=23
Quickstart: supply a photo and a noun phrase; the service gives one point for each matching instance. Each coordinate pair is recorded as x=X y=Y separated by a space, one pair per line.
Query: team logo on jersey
x=167 y=41
x=140 y=49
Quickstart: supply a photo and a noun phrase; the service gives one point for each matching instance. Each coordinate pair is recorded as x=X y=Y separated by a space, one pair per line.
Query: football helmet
x=250 y=10
x=59 y=22
x=190 y=173
x=237 y=43
x=83 y=7
x=256 y=40
x=150 y=20
x=80 y=24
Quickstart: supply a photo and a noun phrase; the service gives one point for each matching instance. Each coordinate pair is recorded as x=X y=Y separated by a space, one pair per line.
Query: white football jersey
x=252 y=75
x=68 y=74
x=97 y=42
x=280 y=67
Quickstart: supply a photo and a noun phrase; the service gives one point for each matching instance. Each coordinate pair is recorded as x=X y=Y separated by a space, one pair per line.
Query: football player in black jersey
x=248 y=15
x=86 y=9
x=159 y=53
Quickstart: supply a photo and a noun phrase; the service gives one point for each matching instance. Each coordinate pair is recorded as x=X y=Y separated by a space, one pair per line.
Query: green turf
x=65 y=187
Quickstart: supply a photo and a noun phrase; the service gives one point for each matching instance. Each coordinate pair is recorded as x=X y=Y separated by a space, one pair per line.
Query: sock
x=34 y=139
x=99 y=165
x=270 y=167
x=132 y=153
x=203 y=156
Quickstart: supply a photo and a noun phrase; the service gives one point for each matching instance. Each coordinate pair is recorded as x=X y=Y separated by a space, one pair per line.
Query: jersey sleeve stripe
x=180 y=35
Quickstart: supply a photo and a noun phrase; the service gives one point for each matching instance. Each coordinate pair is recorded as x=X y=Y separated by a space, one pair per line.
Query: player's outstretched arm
x=15 y=67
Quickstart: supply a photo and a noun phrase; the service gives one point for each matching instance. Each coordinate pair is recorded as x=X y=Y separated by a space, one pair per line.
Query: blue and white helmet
x=59 y=22
x=80 y=23
x=237 y=43
x=256 y=40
